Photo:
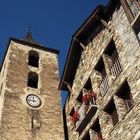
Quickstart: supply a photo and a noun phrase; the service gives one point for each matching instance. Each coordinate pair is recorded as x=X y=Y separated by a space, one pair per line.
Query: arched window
x=33 y=59
x=32 y=80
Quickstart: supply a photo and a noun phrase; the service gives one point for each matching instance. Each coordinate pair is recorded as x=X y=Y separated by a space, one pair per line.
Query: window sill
x=33 y=67
x=114 y=127
x=127 y=112
x=32 y=89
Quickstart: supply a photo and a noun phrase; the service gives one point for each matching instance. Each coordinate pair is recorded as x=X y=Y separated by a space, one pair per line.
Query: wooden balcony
x=81 y=125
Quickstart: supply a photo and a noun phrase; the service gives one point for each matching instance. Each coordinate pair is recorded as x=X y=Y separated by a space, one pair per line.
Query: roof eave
x=35 y=45
x=83 y=28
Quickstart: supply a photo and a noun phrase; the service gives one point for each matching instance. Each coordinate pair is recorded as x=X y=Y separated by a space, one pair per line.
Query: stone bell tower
x=30 y=105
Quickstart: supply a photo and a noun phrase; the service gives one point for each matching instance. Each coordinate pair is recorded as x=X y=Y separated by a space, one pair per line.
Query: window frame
x=108 y=110
x=126 y=102
x=127 y=96
x=104 y=85
x=96 y=127
x=111 y=52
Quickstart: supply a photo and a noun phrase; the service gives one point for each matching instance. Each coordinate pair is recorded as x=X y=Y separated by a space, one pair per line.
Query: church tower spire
x=29 y=35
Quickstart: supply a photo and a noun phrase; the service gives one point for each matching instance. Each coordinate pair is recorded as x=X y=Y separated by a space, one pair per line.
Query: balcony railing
x=116 y=68
x=104 y=86
x=85 y=115
x=81 y=113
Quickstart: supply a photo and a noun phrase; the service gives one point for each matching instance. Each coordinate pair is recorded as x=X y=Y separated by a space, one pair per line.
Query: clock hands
x=33 y=100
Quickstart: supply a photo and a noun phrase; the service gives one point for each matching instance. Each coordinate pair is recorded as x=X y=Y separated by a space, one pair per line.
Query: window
x=97 y=129
x=125 y=94
x=86 y=137
x=87 y=96
x=88 y=85
x=79 y=98
x=112 y=111
x=33 y=59
x=33 y=80
x=100 y=67
x=114 y=62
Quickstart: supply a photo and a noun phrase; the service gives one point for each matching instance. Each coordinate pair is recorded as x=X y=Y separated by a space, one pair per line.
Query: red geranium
x=84 y=98
x=93 y=94
x=75 y=117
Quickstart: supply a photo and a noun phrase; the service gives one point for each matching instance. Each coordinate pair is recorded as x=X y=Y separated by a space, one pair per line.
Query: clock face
x=33 y=100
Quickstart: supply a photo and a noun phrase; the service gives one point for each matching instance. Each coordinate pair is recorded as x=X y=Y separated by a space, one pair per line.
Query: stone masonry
x=127 y=44
x=18 y=120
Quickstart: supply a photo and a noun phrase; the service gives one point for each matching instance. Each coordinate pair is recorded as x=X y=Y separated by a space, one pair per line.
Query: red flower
x=93 y=94
x=84 y=98
x=75 y=117
x=76 y=114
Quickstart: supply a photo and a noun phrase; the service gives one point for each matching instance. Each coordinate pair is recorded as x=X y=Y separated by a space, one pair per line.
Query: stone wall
x=129 y=55
x=19 y=120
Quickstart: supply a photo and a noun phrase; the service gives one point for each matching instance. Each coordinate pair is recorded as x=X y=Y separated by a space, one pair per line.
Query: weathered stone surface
x=19 y=121
x=129 y=55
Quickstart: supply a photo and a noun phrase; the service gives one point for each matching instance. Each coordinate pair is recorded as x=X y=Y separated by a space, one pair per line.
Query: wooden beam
x=127 y=10
x=68 y=86
x=81 y=44
x=104 y=23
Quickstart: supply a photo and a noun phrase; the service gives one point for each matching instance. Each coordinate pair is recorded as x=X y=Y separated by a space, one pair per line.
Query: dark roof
x=74 y=52
x=34 y=45
x=30 y=43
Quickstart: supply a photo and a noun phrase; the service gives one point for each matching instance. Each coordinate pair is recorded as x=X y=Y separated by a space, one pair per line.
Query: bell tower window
x=33 y=80
x=33 y=59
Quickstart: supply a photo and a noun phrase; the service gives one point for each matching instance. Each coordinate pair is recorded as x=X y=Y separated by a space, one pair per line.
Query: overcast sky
x=53 y=22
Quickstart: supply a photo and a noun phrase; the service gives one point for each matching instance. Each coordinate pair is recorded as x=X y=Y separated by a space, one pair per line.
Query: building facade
x=30 y=105
x=102 y=75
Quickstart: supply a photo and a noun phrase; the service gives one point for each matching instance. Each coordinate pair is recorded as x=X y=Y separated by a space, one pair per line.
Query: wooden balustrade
x=104 y=86
x=116 y=68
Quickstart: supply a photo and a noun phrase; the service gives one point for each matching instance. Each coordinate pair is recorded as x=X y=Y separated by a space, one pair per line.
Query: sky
x=52 y=23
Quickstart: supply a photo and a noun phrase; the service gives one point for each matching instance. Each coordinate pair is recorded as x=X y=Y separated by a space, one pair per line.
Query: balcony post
x=104 y=23
x=68 y=86
x=81 y=44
